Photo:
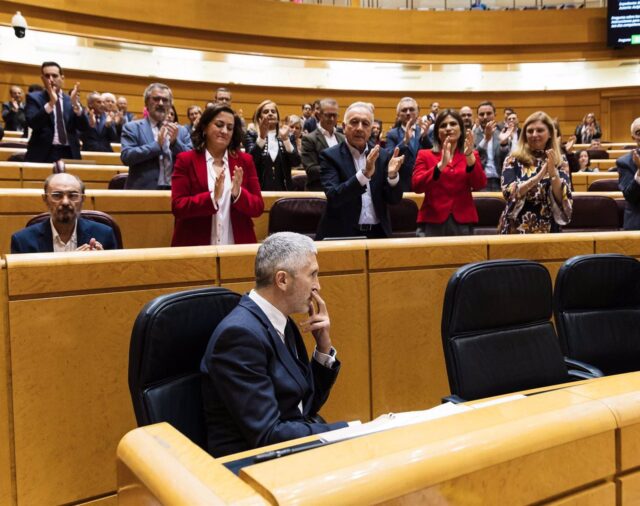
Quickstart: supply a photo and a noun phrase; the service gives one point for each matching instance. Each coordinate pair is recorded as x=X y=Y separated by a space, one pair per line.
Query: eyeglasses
x=72 y=196
x=408 y=109
x=160 y=99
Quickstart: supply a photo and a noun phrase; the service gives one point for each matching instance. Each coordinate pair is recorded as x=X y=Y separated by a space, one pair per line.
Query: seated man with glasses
x=65 y=230
x=628 y=167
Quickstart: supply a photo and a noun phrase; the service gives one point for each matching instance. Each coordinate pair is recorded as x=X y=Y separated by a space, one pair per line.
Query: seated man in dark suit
x=629 y=180
x=259 y=386
x=314 y=143
x=13 y=111
x=65 y=230
x=54 y=119
x=150 y=145
x=359 y=182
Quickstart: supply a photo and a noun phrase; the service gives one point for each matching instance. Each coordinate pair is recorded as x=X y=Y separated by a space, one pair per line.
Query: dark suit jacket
x=192 y=206
x=274 y=175
x=312 y=145
x=344 y=192
x=395 y=138
x=99 y=137
x=631 y=191
x=38 y=239
x=141 y=153
x=252 y=384
x=42 y=125
x=14 y=120
x=499 y=152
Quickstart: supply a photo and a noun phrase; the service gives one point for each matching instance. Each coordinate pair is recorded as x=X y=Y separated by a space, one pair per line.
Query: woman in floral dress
x=535 y=182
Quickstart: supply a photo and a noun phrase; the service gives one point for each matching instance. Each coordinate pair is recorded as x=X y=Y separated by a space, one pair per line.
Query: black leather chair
x=168 y=341
x=593 y=213
x=87 y=214
x=118 y=181
x=299 y=181
x=597 y=311
x=404 y=216
x=604 y=185
x=598 y=154
x=489 y=211
x=300 y=215
x=497 y=334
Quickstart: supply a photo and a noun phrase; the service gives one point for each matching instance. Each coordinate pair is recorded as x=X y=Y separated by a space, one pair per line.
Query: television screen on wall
x=623 y=23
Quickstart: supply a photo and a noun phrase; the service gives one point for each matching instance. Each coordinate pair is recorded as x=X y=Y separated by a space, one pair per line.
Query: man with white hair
x=259 y=386
x=360 y=181
x=629 y=180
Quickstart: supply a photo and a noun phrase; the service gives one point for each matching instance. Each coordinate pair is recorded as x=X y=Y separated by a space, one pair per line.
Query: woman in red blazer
x=447 y=174
x=214 y=188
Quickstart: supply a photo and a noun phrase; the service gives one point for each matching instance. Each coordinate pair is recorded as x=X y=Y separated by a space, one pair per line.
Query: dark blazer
x=500 y=153
x=99 y=137
x=252 y=384
x=312 y=145
x=274 y=175
x=344 y=192
x=631 y=191
x=38 y=239
x=42 y=125
x=14 y=120
x=395 y=138
x=141 y=152
x=192 y=206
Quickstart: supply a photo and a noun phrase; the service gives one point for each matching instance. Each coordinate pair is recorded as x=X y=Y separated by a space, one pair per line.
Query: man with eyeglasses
x=628 y=167
x=314 y=143
x=150 y=145
x=360 y=181
x=64 y=230
x=410 y=135
x=54 y=118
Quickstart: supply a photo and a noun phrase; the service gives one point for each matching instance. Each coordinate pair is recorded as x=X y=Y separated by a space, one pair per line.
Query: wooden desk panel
x=601 y=495
x=6 y=413
x=71 y=400
x=629 y=489
x=88 y=156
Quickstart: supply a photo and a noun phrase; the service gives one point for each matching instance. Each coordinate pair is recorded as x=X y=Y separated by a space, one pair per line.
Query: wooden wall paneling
x=407 y=280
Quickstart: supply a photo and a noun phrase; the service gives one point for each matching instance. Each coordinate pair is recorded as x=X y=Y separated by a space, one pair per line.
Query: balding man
x=223 y=96
x=13 y=111
x=65 y=230
x=359 y=182
x=102 y=130
x=629 y=180
x=150 y=145
x=314 y=143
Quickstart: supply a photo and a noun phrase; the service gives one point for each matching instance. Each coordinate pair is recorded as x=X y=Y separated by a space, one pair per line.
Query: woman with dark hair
x=584 y=161
x=535 y=185
x=172 y=115
x=271 y=148
x=588 y=130
x=215 y=190
x=447 y=174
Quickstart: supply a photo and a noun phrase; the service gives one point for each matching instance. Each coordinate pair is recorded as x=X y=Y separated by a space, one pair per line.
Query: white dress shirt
x=368 y=214
x=58 y=245
x=330 y=138
x=48 y=109
x=490 y=166
x=221 y=229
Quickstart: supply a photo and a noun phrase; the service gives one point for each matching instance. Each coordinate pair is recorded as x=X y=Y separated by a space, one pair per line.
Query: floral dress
x=537 y=211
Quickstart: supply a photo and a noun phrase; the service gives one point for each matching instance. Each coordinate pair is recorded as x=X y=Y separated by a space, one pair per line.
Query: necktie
x=166 y=163
x=62 y=133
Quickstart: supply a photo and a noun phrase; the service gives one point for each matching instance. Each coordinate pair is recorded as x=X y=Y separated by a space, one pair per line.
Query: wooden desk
x=90 y=156
x=574 y=445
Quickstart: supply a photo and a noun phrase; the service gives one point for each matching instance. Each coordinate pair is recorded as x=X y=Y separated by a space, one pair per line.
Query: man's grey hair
x=153 y=86
x=283 y=251
x=407 y=99
x=328 y=102
x=358 y=105
x=635 y=124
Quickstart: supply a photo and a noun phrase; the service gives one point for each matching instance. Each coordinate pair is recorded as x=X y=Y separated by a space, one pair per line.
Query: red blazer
x=451 y=192
x=192 y=206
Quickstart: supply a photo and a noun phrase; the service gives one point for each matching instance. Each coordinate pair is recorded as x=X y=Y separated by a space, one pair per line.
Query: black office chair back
x=404 y=217
x=496 y=330
x=168 y=341
x=118 y=181
x=300 y=215
x=597 y=311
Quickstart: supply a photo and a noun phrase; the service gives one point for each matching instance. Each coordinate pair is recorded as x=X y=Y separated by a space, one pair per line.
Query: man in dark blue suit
x=102 y=130
x=54 y=118
x=629 y=180
x=65 y=230
x=359 y=182
x=150 y=145
x=259 y=386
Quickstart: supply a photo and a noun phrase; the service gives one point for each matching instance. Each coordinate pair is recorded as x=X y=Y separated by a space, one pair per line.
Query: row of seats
x=497 y=333
x=591 y=213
